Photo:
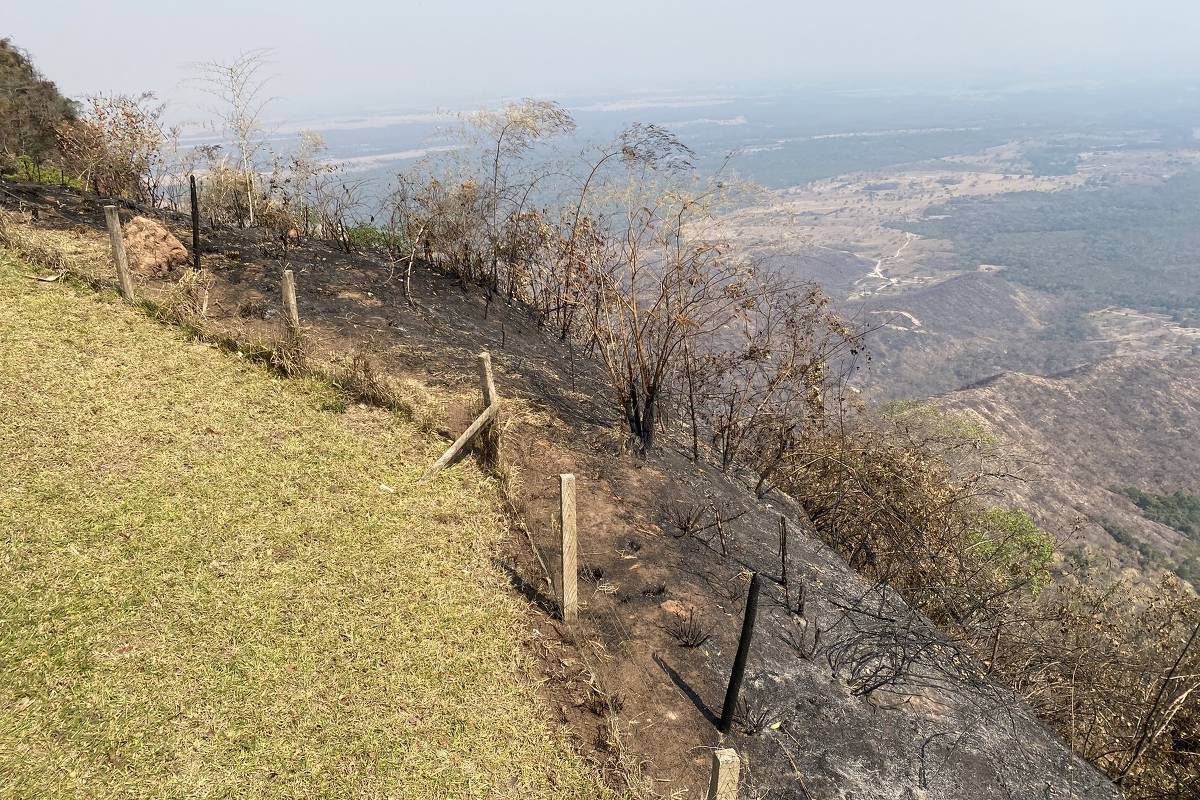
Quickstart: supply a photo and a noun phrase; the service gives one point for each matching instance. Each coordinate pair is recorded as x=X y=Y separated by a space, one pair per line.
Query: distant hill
x=1092 y=432
x=30 y=108
x=968 y=327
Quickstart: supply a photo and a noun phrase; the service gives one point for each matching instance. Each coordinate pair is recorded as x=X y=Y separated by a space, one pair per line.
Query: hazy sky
x=343 y=55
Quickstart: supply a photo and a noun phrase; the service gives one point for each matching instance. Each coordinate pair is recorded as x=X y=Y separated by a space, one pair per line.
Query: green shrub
x=1014 y=546
x=372 y=238
x=1179 y=510
x=27 y=169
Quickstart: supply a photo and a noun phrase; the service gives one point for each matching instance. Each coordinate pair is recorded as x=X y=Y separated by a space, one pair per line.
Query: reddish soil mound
x=153 y=250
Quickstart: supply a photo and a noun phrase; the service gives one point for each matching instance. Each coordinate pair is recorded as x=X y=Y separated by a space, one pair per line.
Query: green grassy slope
x=211 y=587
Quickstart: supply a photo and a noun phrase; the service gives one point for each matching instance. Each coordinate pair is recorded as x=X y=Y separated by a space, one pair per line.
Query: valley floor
x=215 y=582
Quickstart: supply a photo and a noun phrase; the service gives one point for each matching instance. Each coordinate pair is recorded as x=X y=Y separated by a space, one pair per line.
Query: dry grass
x=186 y=302
x=211 y=587
x=362 y=383
x=84 y=257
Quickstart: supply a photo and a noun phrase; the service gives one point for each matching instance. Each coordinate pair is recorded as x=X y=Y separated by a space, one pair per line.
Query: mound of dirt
x=153 y=250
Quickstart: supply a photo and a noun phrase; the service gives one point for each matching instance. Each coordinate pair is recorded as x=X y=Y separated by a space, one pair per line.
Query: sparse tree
x=656 y=285
x=117 y=146
x=764 y=386
x=510 y=134
x=240 y=86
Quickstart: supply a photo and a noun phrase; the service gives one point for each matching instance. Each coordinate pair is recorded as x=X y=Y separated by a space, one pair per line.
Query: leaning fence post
x=124 y=279
x=482 y=420
x=726 y=771
x=569 y=587
x=739 y=660
x=291 y=311
x=195 y=224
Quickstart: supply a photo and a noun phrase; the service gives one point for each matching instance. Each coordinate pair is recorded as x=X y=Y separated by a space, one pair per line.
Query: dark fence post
x=783 y=536
x=195 y=225
x=739 y=661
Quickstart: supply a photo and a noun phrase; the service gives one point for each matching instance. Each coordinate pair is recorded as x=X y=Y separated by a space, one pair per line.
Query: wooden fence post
x=783 y=559
x=568 y=584
x=483 y=419
x=739 y=660
x=291 y=310
x=195 y=224
x=488 y=386
x=124 y=279
x=726 y=771
x=485 y=377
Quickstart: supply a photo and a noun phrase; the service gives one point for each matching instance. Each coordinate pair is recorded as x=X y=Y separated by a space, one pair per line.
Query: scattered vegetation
x=800 y=161
x=1180 y=510
x=31 y=112
x=618 y=253
x=1147 y=554
x=116 y=147
x=1130 y=245
x=688 y=632
x=903 y=499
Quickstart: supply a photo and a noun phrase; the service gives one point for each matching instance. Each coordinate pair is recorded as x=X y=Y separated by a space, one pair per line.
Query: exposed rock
x=153 y=250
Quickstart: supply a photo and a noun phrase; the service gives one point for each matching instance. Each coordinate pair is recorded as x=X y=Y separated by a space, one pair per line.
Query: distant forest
x=1135 y=246
x=797 y=162
x=1180 y=511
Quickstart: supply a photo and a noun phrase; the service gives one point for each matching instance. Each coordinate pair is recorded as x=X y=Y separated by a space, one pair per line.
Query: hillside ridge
x=1124 y=421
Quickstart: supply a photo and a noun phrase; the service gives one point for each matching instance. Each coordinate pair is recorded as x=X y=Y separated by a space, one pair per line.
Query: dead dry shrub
x=116 y=146
x=686 y=516
x=253 y=309
x=362 y=383
x=290 y=355
x=751 y=714
x=360 y=380
x=908 y=499
x=689 y=632
x=904 y=499
x=1117 y=672
x=185 y=302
